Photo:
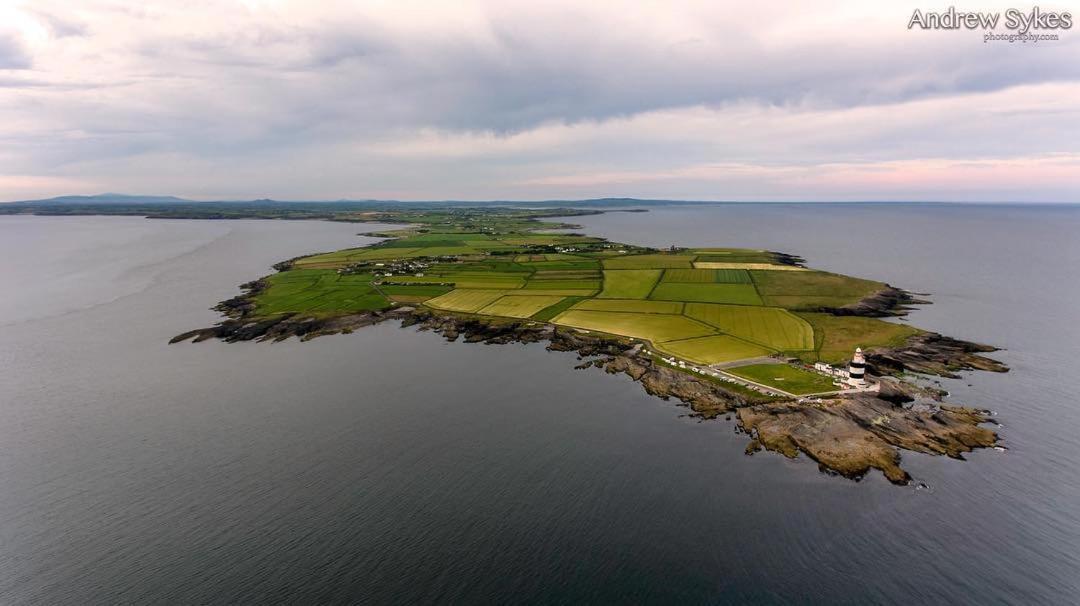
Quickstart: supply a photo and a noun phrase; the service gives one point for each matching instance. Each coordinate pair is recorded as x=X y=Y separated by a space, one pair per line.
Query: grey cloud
x=60 y=25
x=12 y=53
x=352 y=79
x=530 y=79
x=269 y=94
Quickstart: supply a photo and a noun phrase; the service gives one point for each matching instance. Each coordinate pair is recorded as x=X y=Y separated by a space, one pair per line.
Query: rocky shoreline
x=848 y=435
x=887 y=302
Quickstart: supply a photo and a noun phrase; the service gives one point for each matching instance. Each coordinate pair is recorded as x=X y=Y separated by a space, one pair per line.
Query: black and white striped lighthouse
x=857 y=369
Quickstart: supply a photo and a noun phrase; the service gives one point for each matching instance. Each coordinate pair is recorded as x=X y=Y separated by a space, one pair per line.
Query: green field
x=414 y=291
x=714 y=349
x=835 y=337
x=811 y=289
x=654 y=327
x=649 y=262
x=562 y=265
x=562 y=292
x=708 y=305
x=733 y=255
x=563 y=285
x=768 y=326
x=567 y=274
x=690 y=275
x=481 y=281
x=549 y=313
x=708 y=276
x=318 y=292
x=629 y=283
x=785 y=377
x=736 y=294
x=732 y=276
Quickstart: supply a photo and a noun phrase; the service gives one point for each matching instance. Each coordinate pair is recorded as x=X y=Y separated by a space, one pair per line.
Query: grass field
x=785 y=377
x=478 y=281
x=736 y=294
x=519 y=306
x=469 y=301
x=563 y=265
x=562 y=284
x=713 y=349
x=632 y=305
x=746 y=266
x=732 y=276
x=706 y=276
x=569 y=274
x=649 y=262
x=546 y=314
x=426 y=291
x=733 y=255
x=629 y=283
x=319 y=292
x=811 y=289
x=704 y=304
x=768 y=326
x=426 y=239
x=837 y=336
x=654 y=327
x=565 y=292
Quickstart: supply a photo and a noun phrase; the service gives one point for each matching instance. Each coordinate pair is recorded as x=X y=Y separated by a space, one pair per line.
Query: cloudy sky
x=708 y=100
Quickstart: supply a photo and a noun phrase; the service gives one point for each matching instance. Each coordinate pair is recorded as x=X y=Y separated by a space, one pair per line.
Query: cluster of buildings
x=388 y=269
x=680 y=364
x=853 y=376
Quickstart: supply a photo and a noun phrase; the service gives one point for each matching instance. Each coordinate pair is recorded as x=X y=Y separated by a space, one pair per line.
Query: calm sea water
x=389 y=466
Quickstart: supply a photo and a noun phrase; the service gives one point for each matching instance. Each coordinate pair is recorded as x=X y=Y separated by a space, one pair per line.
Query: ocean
x=389 y=466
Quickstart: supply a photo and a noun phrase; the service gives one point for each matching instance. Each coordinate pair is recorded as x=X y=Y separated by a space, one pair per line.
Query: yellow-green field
x=768 y=326
x=811 y=289
x=713 y=350
x=649 y=262
x=709 y=305
x=785 y=377
x=736 y=265
x=654 y=327
x=519 y=306
x=468 y=301
x=563 y=292
x=835 y=337
x=631 y=305
x=629 y=283
x=736 y=294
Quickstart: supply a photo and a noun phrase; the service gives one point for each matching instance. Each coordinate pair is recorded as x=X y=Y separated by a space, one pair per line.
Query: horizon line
x=164 y=199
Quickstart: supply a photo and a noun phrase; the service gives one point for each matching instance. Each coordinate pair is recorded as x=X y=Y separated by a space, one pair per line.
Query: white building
x=831 y=370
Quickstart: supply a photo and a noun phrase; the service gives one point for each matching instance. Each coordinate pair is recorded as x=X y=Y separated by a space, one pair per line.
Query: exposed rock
x=846 y=435
x=854 y=434
x=932 y=353
x=889 y=301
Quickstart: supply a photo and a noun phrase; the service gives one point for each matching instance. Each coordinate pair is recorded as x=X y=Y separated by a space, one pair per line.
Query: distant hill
x=172 y=207
x=108 y=199
x=129 y=199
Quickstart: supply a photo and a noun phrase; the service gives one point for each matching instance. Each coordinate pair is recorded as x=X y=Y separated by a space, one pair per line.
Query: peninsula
x=750 y=334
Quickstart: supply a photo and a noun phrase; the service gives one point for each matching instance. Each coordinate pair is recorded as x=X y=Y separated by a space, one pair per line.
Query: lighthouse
x=857 y=369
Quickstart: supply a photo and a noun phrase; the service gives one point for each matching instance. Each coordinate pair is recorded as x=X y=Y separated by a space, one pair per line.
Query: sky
x=476 y=100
